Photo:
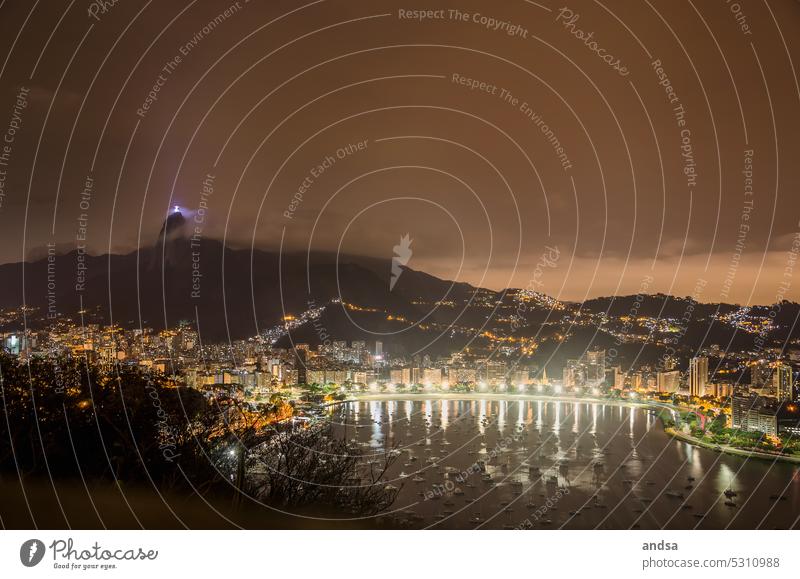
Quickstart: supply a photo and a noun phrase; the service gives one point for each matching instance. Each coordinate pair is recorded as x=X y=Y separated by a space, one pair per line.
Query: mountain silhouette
x=231 y=293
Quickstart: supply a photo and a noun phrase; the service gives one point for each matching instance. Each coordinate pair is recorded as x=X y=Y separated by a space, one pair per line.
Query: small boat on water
x=674 y=494
x=730 y=493
x=730 y=504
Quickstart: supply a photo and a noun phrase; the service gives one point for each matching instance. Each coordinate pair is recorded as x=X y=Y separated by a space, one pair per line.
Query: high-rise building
x=669 y=382
x=783 y=382
x=754 y=413
x=720 y=389
x=595 y=366
x=433 y=376
x=495 y=372
x=619 y=378
x=339 y=348
x=574 y=375
x=519 y=377
x=300 y=364
x=462 y=376
x=759 y=374
x=698 y=376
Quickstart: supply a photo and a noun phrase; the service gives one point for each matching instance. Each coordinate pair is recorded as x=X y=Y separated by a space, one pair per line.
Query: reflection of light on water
x=695 y=458
x=632 y=419
x=501 y=416
x=376 y=415
x=392 y=409
x=576 y=419
x=724 y=477
x=452 y=414
x=557 y=420
x=481 y=416
x=428 y=413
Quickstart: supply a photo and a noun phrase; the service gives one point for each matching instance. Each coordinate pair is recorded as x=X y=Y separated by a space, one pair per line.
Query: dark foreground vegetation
x=100 y=438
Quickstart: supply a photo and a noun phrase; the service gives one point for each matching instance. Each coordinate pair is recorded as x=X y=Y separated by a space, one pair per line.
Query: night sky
x=648 y=145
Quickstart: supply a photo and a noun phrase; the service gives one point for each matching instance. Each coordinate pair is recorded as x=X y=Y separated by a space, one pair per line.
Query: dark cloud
x=274 y=89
